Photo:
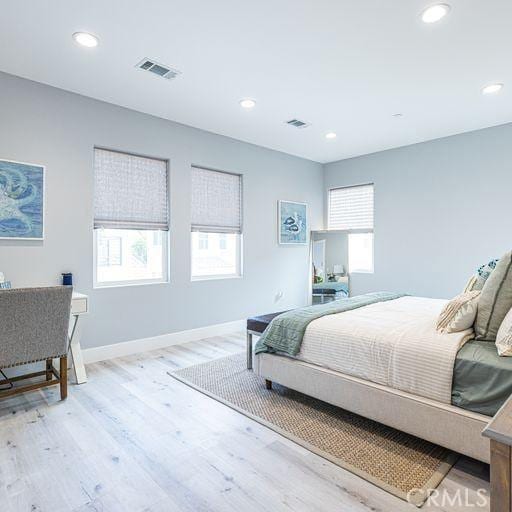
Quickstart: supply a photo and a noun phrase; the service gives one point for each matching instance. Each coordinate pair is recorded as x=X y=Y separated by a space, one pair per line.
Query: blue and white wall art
x=21 y=200
x=293 y=222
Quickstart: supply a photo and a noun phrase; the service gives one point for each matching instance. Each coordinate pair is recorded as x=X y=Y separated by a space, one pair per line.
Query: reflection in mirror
x=329 y=251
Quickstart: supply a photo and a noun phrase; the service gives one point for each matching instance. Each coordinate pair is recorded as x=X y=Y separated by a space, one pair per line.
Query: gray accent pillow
x=495 y=300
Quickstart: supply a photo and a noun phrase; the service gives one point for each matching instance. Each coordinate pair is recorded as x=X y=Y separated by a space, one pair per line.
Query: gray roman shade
x=351 y=208
x=216 y=201
x=130 y=192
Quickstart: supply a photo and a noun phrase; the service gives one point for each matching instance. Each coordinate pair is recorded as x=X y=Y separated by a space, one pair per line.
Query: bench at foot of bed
x=255 y=326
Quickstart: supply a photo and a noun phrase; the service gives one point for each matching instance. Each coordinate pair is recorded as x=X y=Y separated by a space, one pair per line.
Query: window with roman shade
x=216 y=224
x=216 y=201
x=131 y=219
x=130 y=191
x=351 y=208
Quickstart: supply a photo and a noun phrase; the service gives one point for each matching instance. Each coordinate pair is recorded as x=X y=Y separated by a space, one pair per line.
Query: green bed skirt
x=482 y=380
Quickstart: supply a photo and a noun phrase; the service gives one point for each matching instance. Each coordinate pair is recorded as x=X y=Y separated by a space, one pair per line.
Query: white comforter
x=392 y=343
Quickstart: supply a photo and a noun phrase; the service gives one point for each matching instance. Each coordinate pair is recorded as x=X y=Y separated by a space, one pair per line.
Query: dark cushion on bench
x=260 y=323
x=325 y=291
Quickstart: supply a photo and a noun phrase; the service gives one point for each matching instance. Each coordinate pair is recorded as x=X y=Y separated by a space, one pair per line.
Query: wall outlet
x=279 y=295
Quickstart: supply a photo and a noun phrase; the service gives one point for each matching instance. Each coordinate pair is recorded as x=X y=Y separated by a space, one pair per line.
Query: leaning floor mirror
x=329 y=264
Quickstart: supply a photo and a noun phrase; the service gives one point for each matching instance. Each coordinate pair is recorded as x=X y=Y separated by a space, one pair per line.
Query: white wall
x=442 y=208
x=44 y=125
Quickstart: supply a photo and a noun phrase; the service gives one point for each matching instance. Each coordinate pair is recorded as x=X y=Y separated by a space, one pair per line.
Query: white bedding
x=392 y=343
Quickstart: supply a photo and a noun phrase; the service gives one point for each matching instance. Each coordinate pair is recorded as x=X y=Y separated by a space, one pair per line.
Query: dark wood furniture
x=52 y=377
x=499 y=431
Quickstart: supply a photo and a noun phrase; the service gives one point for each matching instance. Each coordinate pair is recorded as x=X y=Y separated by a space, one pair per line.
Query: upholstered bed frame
x=445 y=425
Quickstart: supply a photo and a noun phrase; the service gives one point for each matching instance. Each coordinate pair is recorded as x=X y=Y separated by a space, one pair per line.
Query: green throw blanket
x=285 y=332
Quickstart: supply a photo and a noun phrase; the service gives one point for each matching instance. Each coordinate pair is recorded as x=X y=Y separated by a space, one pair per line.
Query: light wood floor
x=135 y=439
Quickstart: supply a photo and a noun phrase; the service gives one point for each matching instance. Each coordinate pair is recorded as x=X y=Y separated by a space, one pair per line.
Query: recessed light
x=85 y=39
x=330 y=135
x=434 y=13
x=492 y=88
x=398 y=114
x=247 y=103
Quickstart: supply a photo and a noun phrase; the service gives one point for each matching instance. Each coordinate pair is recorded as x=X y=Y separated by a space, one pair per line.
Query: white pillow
x=504 y=336
x=460 y=313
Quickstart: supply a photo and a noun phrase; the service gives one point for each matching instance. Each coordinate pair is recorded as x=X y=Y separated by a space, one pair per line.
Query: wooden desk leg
x=76 y=351
x=63 y=376
x=500 y=477
x=249 y=350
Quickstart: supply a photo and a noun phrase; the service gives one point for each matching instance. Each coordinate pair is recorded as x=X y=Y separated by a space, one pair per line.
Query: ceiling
x=342 y=66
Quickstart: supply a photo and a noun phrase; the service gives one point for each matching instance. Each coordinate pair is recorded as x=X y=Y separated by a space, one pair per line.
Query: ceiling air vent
x=297 y=123
x=158 y=69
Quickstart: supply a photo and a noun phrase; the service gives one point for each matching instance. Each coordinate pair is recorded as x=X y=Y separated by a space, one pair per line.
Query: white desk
x=79 y=306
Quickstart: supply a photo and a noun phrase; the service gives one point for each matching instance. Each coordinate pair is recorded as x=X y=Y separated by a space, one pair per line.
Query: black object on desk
x=67 y=279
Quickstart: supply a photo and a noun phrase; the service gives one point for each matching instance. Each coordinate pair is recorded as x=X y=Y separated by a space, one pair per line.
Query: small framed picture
x=292 y=222
x=21 y=200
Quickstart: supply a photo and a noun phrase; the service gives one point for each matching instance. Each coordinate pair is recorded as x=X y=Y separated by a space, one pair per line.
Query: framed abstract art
x=21 y=200
x=292 y=222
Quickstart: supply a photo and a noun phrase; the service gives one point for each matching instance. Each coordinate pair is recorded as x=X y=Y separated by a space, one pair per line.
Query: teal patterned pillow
x=482 y=274
x=485 y=270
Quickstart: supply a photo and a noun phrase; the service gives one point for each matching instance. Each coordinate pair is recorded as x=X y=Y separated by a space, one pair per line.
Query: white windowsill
x=124 y=284
x=215 y=278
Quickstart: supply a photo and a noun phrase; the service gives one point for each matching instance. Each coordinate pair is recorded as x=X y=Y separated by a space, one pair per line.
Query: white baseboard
x=126 y=348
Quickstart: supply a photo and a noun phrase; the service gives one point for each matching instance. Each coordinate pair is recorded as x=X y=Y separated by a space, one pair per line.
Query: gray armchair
x=34 y=327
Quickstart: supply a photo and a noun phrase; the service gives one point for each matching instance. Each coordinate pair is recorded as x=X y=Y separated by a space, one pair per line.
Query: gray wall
x=336 y=249
x=442 y=208
x=44 y=125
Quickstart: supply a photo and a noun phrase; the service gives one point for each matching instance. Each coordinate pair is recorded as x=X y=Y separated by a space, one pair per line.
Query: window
x=109 y=251
x=360 y=252
x=131 y=219
x=220 y=258
x=351 y=209
x=138 y=256
x=216 y=241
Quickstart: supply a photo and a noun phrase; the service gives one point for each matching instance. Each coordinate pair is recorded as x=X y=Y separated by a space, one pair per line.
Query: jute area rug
x=399 y=463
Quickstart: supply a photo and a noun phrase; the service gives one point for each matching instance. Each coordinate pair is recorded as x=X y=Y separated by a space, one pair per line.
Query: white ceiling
x=344 y=66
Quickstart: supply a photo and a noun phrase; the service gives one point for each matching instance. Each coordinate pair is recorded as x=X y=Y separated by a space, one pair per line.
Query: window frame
x=240 y=236
x=166 y=233
x=132 y=282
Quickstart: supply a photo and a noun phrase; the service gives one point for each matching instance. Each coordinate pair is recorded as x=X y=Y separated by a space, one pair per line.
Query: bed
x=384 y=360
